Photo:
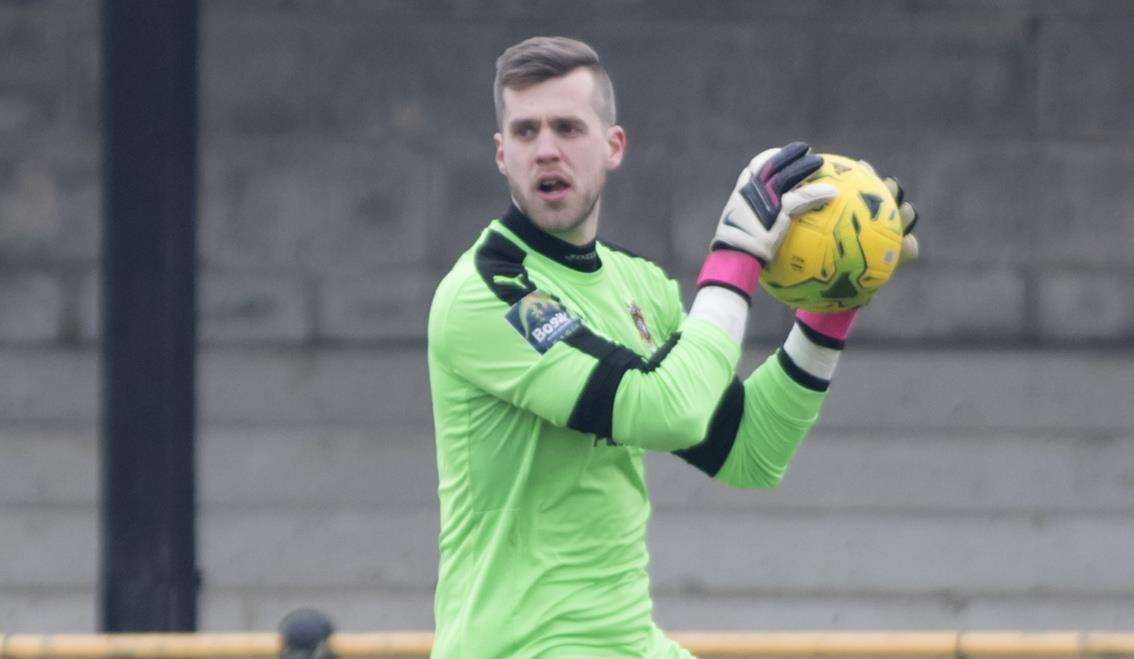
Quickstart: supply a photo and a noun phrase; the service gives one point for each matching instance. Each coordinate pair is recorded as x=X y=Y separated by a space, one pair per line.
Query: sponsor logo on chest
x=551 y=326
x=542 y=320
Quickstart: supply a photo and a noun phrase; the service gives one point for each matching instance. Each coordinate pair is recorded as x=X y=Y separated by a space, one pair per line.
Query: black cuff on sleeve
x=710 y=455
x=594 y=411
x=801 y=377
x=820 y=339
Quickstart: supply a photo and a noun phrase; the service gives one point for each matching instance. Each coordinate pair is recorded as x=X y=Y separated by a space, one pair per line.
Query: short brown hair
x=540 y=58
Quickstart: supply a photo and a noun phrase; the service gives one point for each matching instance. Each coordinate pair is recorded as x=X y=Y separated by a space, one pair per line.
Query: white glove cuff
x=724 y=308
x=813 y=358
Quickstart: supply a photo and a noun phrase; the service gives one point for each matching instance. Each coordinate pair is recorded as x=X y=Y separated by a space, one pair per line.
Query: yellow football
x=837 y=256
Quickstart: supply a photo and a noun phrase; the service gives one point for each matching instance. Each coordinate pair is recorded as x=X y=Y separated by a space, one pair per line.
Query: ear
x=499 y=139
x=616 y=147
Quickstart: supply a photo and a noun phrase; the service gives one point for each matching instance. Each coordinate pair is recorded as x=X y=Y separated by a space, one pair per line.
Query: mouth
x=552 y=187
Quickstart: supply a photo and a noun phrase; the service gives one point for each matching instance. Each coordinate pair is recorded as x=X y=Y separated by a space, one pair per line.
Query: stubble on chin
x=549 y=217
x=557 y=220
x=565 y=218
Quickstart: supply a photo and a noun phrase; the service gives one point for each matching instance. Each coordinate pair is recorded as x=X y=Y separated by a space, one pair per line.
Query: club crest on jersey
x=542 y=320
x=640 y=323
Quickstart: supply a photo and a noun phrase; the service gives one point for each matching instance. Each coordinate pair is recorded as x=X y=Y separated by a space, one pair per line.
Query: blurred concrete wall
x=975 y=467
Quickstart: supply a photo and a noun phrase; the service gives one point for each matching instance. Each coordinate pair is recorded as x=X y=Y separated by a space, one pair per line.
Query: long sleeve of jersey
x=519 y=330
x=760 y=423
x=525 y=343
x=776 y=415
x=538 y=354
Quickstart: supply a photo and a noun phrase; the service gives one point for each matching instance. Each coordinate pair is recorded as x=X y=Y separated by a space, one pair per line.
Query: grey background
x=975 y=464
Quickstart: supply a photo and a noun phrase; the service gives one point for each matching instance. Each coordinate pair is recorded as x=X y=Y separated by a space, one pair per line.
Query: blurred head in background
x=557 y=137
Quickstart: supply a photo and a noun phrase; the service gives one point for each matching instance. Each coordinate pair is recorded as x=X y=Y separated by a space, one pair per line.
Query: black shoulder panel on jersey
x=500 y=264
x=594 y=411
x=710 y=455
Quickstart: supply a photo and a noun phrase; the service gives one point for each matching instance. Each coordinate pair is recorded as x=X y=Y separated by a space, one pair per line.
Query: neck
x=583 y=233
x=576 y=255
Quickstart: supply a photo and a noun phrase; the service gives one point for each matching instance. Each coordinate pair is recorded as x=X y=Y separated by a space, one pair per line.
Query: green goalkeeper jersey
x=553 y=369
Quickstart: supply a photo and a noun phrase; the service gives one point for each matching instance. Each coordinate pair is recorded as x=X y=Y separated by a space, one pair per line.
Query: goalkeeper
x=556 y=361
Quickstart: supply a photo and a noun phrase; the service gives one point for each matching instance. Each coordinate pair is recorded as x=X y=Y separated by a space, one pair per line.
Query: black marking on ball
x=873 y=204
x=842 y=288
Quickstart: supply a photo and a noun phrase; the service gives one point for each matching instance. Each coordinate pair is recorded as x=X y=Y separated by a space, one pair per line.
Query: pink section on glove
x=731 y=269
x=836 y=325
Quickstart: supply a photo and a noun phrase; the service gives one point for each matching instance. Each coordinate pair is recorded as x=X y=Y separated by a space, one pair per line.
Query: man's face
x=555 y=152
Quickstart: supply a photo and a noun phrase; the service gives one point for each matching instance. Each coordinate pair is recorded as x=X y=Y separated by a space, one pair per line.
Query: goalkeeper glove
x=750 y=230
x=907 y=213
x=758 y=211
x=831 y=329
x=757 y=214
x=909 y=220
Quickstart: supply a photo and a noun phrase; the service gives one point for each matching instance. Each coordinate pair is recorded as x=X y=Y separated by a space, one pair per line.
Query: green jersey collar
x=582 y=258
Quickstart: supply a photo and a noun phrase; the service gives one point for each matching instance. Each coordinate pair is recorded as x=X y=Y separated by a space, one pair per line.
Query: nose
x=547 y=147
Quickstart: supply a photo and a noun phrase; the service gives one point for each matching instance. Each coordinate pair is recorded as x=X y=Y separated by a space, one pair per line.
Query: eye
x=524 y=131
x=569 y=128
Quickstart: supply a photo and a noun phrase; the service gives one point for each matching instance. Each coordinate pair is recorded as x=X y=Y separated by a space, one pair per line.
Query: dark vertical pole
x=148 y=572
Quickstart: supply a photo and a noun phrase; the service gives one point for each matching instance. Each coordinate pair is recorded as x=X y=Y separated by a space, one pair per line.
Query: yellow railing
x=712 y=644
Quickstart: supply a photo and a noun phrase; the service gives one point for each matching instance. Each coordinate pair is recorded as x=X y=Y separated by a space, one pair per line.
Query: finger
x=781 y=159
x=909 y=217
x=910 y=249
x=763 y=201
x=895 y=189
x=755 y=165
x=791 y=175
x=808 y=197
